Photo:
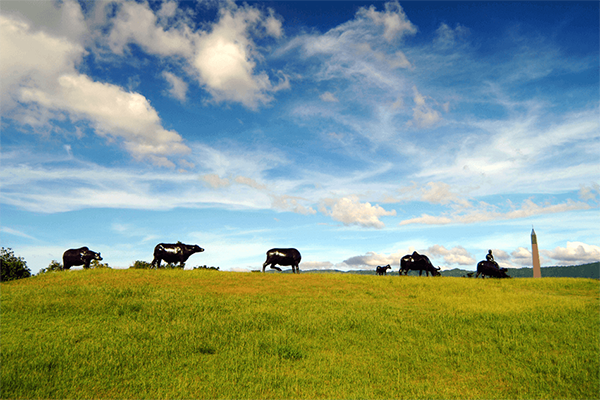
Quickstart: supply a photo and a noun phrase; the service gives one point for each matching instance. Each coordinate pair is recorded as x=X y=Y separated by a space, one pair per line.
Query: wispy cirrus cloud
x=485 y=212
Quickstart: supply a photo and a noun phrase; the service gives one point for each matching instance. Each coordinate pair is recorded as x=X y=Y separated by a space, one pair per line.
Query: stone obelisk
x=537 y=273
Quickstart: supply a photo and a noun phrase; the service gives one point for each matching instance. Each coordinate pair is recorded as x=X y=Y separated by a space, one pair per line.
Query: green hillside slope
x=141 y=334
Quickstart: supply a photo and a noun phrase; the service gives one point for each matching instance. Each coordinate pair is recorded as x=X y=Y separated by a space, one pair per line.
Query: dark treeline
x=591 y=270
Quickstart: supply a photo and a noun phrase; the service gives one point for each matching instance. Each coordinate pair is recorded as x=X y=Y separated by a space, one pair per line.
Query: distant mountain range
x=591 y=270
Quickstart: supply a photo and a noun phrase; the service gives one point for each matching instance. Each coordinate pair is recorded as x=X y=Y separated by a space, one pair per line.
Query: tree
x=12 y=267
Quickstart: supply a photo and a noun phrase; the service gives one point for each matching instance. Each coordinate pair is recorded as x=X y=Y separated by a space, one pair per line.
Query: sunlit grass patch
x=173 y=333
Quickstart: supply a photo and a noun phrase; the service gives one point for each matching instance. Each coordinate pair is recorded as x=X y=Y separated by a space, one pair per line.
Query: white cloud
x=456 y=255
x=309 y=265
x=448 y=37
x=273 y=26
x=424 y=116
x=350 y=211
x=38 y=71
x=393 y=19
x=574 y=253
x=292 y=203
x=589 y=193
x=484 y=212
x=522 y=256
x=328 y=97
x=225 y=60
x=137 y=23
x=373 y=259
x=434 y=193
x=62 y=19
x=215 y=181
x=178 y=88
x=14 y=232
x=244 y=180
x=113 y=113
x=31 y=59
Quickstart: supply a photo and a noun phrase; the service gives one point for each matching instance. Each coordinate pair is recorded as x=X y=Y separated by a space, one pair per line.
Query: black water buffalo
x=81 y=256
x=416 y=261
x=283 y=257
x=174 y=253
x=491 y=269
x=382 y=270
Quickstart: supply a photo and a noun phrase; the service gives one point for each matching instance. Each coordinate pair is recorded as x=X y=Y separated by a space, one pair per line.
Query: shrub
x=12 y=267
x=52 y=267
x=141 y=265
x=98 y=264
x=146 y=265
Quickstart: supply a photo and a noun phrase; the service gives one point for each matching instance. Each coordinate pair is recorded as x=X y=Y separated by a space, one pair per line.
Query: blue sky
x=354 y=131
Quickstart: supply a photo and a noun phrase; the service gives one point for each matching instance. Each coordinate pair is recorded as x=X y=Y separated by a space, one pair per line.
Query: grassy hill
x=140 y=334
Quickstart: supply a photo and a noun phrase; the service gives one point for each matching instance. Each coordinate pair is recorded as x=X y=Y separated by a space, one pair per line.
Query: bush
x=12 y=267
x=53 y=267
x=206 y=267
x=98 y=264
x=146 y=265
x=141 y=265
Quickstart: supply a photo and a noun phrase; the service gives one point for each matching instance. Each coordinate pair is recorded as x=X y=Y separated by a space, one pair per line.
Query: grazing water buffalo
x=174 y=253
x=382 y=270
x=81 y=256
x=491 y=269
x=283 y=257
x=416 y=261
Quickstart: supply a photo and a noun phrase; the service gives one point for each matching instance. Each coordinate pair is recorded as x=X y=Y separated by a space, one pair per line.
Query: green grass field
x=141 y=334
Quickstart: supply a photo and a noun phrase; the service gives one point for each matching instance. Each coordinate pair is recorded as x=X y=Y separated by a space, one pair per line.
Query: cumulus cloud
x=574 y=253
x=113 y=113
x=307 y=265
x=222 y=58
x=273 y=26
x=137 y=23
x=373 y=259
x=32 y=59
x=456 y=255
x=39 y=72
x=350 y=211
x=177 y=86
x=521 y=256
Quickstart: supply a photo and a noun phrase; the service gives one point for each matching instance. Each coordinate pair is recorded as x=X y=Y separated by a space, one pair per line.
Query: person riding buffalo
x=490 y=257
